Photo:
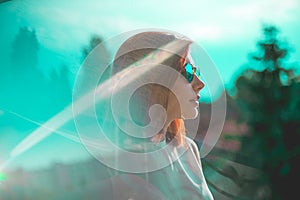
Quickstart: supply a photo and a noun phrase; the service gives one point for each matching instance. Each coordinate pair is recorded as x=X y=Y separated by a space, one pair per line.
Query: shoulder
x=193 y=147
x=190 y=142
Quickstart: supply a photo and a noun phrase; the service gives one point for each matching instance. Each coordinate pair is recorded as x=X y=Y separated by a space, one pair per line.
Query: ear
x=182 y=61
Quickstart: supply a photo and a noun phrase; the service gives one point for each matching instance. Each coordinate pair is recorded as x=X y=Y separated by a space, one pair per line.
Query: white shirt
x=182 y=179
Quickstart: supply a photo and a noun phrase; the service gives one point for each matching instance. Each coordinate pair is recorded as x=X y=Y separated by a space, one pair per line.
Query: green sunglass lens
x=190 y=71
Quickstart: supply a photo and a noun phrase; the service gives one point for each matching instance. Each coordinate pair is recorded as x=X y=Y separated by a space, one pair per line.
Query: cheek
x=184 y=93
x=180 y=89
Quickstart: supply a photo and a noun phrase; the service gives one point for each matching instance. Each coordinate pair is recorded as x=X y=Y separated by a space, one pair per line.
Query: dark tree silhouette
x=25 y=50
x=94 y=41
x=269 y=100
x=26 y=90
x=99 y=56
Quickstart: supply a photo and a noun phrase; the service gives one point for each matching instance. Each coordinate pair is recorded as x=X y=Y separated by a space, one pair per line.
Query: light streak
x=62 y=133
x=103 y=90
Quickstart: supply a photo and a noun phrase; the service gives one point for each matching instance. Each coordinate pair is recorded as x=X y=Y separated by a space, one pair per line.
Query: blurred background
x=254 y=45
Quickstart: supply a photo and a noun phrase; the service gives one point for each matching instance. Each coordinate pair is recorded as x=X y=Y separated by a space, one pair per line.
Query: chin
x=190 y=115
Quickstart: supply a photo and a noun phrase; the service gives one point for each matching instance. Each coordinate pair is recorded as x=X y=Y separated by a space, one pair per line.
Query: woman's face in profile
x=187 y=88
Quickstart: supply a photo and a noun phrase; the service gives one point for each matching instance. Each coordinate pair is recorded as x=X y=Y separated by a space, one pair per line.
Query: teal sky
x=227 y=30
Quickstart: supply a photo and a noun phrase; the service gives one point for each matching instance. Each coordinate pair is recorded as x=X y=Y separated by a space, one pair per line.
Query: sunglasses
x=189 y=72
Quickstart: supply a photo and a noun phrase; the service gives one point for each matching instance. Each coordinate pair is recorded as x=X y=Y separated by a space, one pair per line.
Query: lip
x=196 y=98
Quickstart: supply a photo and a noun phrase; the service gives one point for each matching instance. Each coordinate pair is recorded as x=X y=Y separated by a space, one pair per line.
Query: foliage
x=25 y=50
x=94 y=41
x=24 y=88
x=268 y=96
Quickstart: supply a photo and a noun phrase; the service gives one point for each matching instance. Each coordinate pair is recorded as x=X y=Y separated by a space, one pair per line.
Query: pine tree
x=268 y=98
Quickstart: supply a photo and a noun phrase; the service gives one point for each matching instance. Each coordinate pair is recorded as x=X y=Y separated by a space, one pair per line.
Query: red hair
x=176 y=130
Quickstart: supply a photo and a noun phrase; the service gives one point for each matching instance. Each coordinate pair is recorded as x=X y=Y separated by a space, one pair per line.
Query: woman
x=158 y=73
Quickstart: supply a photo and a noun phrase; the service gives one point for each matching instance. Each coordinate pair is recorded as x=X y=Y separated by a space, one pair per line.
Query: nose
x=197 y=84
